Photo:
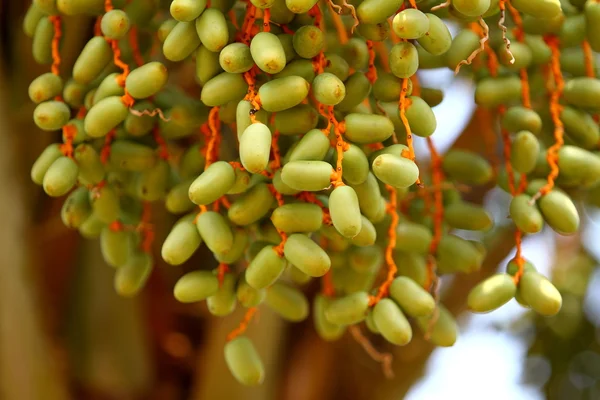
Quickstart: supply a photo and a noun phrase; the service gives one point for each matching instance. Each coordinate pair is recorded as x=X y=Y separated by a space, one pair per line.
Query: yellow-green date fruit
x=348 y=310
x=539 y=293
x=492 y=293
x=244 y=362
x=391 y=322
x=289 y=302
x=196 y=286
x=265 y=268
x=306 y=255
x=411 y=297
x=345 y=211
x=325 y=329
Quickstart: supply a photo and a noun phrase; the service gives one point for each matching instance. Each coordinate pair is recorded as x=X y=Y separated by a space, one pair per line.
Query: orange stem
x=389 y=250
x=243 y=325
x=105 y=152
x=222 y=269
x=372 y=71
x=56 y=23
x=555 y=111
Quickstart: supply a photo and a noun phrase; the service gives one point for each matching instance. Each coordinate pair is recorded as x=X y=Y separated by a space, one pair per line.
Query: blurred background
x=65 y=334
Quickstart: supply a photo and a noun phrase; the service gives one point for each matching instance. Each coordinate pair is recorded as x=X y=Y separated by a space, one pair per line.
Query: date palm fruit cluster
x=290 y=156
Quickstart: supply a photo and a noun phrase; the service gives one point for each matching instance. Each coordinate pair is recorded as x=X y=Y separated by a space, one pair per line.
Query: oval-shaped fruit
x=311 y=147
x=215 y=231
x=544 y=9
x=297 y=217
x=76 y=208
x=367 y=128
x=252 y=206
x=223 y=88
x=328 y=89
x=413 y=237
x=104 y=116
x=455 y=254
x=518 y=118
x=212 y=184
x=345 y=211
x=265 y=268
x=412 y=298
x=540 y=294
x=391 y=322
x=375 y=11
x=396 y=171
x=115 y=246
x=438 y=39
x=467 y=167
x=524 y=153
x=187 y=10
x=131 y=277
x=559 y=212
x=255 y=147
x=44 y=161
x=182 y=242
x=92 y=60
x=526 y=216
x=244 y=362
x=223 y=302
x=492 y=293
x=181 y=41
x=306 y=255
x=444 y=330
x=307 y=175
x=404 y=59
x=583 y=92
x=289 y=302
x=348 y=310
x=325 y=329
x=295 y=89
x=308 y=41
x=236 y=58
x=248 y=296
x=196 y=286
x=51 y=115
x=212 y=29
x=468 y=216
x=267 y=52
x=60 y=177
x=410 y=23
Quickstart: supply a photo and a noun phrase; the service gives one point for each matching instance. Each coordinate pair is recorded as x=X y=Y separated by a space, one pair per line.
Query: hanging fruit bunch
x=296 y=160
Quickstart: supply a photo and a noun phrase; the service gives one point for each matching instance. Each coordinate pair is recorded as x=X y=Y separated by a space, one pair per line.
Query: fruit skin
x=326 y=330
x=265 y=268
x=345 y=211
x=391 y=322
x=348 y=310
x=438 y=39
x=244 y=362
x=539 y=293
x=526 y=216
x=147 y=80
x=559 y=212
x=267 y=52
x=306 y=255
x=288 y=302
x=196 y=286
x=412 y=298
x=492 y=293
x=410 y=24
